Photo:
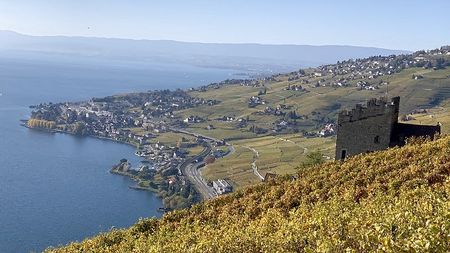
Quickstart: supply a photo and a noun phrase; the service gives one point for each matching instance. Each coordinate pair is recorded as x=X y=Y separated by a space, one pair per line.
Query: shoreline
x=112 y=171
x=158 y=193
x=59 y=131
x=135 y=179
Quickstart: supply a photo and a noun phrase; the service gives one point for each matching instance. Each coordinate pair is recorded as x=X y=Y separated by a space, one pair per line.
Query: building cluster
x=227 y=118
x=364 y=85
x=162 y=156
x=193 y=119
x=107 y=117
x=293 y=76
x=120 y=118
x=349 y=72
x=218 y=85
x=255 y=101
x=295 y=87
x=221 y=186
x=328 y=130
x=281 y=125
x=277 y=111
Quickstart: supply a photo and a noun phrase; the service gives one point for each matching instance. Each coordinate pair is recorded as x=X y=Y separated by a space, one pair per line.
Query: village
x=118 y=118
x=140 y=119
x=369 y=72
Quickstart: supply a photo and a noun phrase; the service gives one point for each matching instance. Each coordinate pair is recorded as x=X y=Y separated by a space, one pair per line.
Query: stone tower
x=374 y=127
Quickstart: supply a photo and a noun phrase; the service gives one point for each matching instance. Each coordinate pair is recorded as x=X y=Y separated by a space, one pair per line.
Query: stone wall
x=366 y=128
x=369 y=134
x=374 y=107
x=404 y=131
x=375 y=127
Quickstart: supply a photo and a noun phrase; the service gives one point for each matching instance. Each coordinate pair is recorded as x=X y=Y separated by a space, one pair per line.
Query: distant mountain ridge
x=246 y=57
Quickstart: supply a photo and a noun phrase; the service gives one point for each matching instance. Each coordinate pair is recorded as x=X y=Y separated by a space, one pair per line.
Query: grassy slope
x=433 y=116
x=280 y=154
x=434 y=87
x=394 y=200
x=414 y=93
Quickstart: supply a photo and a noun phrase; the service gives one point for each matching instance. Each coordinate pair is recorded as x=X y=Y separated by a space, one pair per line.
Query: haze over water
x=56 y=188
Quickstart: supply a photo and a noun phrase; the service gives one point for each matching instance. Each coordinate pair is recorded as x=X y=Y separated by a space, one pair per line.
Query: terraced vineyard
x=316 y=104
x=391 y=201
x=276 y=154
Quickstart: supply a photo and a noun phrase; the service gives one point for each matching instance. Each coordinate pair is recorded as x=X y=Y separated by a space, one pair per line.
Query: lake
x=56 y=188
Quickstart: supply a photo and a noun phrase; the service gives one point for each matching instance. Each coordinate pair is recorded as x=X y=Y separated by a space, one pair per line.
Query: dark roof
x=269 y=176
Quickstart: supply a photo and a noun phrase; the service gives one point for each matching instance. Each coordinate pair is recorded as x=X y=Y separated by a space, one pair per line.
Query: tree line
x=40 y=123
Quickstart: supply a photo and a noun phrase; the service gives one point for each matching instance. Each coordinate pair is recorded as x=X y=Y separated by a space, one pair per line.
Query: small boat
x=163 y=209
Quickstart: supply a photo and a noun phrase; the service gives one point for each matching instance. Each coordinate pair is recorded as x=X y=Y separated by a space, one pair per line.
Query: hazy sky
x=397 y=24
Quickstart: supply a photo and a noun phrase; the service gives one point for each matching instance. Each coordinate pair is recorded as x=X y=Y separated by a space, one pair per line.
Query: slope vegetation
x=300 y=104
x=394 y=200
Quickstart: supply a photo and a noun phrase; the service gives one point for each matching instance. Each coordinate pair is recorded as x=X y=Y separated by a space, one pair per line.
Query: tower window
x=343 y=154
x=376 y=139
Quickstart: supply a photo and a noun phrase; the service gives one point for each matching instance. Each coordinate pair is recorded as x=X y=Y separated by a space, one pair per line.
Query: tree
x=78 y=128
x=262 y=92
x=312 y=159
x=38 y=123
x=440 y=63
x=292 y=115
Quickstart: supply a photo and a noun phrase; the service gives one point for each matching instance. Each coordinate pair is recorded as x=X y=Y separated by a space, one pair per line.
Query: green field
x=440 y=114
x=322 y=102
x=282 y=153
x=276 y=154
x=434 y=87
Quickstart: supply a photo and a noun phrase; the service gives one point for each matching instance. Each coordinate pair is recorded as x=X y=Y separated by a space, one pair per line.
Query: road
x=177 y=130
x=190 y=169
x=254 y=166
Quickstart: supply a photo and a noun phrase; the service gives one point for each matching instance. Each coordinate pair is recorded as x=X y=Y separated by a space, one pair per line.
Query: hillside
x=270 y=124
x=315 y=95
x=394 y=200
x=240 y=57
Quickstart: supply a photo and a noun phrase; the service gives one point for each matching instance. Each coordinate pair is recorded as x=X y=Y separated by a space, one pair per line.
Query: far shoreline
x=59 y=131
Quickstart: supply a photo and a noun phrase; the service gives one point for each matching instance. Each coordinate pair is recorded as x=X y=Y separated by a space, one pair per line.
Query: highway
x=190 y=169
x=193 y=173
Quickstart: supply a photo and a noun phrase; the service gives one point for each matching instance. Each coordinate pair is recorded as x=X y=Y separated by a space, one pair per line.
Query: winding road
x=191 y=167
x=254 y=166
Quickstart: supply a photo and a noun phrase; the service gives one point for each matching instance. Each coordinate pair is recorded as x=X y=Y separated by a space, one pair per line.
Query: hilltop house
x=375 y=127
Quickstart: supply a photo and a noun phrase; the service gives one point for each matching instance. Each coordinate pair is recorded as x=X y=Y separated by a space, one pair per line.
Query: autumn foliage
x=39 y=123
x=390 y=201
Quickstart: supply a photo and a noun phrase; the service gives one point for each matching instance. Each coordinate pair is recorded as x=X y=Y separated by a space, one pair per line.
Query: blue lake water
x=56 y=188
